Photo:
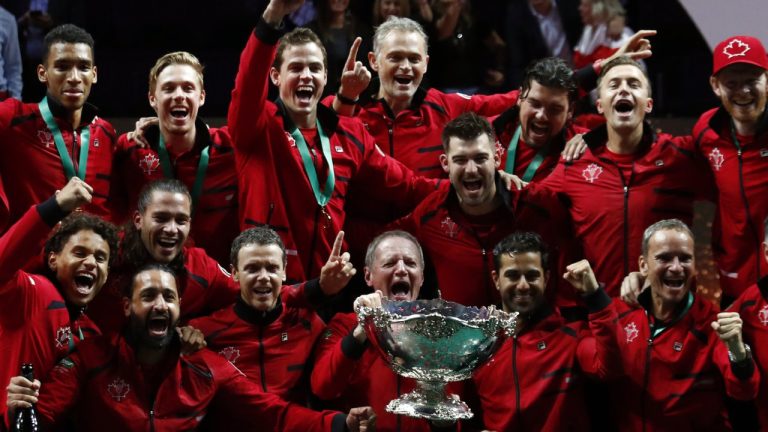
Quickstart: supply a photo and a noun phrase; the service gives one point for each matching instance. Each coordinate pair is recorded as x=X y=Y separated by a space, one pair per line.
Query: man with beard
x=178 y=144
x=42 y=316
x=679 y=356
x=45 y=144
x=348 y=369
x=733 y=139
x=547 y=358
x=145 y=383
x=628 y=178
x=266 y=333
x=296 y=160
x=459 y=224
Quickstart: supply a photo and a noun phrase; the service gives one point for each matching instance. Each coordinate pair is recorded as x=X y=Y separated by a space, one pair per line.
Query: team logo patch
x=45 y=137
x=284 y=337
x=659 y=163
x=149 y=164
x=763 y=315
x=717 y=158
x=96 y=142
x=230 y=353
x=449 y=227
x=290 y=139
x=541 y=346
x=736 y=48
x=677 y=346
x=339 y=149
x=118 y=389
x=631 y=331
x=63 y=335
x=763 y=152
x=327 y=334
x=592 y=172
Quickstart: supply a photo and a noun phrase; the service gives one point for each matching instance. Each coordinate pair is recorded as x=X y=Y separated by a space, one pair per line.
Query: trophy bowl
x=434 y=342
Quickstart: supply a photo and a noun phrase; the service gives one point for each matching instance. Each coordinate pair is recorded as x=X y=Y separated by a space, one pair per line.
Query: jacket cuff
x=50 y=212
x=597 y=301
x=339 y=423
x=314 y=294
x=351 y=347
x=744 y=369
x=266 y=33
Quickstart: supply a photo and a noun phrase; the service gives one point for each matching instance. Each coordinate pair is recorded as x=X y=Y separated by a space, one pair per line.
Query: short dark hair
x=128 y=288
x=521 y=242
x=374 y=244
x=665 y=224
x=76 y=222
x=296 y=37
x=68 y=34
x=262 y=236
x=621 y=61
x=162 y=185
x=467 y=126
x=550 y=72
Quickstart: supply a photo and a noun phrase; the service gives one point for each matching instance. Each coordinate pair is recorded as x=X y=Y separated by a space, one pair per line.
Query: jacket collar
x=202 y=136
x=721 y=123
x=371 y=96
x=646 y=301
x=258 y=318
x=510 y=119
x=326 y=116
x=508 y=200
x=597 y=139
x=538 y=317
x=57 y=109
x=762 y=285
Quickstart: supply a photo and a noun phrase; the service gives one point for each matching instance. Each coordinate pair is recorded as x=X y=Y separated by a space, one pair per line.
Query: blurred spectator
x=338 y=28
x=604 y=31
x=383 y=9
x=10 y=57
x=33 y=26
x=536 y=29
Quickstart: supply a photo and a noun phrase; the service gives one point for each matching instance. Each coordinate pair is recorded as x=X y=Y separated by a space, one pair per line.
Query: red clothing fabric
x=103 y=385
x=31 y=167
x=535 y=380
x=752 y=306
x=675 y=380
x=354 y=374
x=215 y=217
x=273 y=349
x=275 y=190
x=36 y=325
x=205 y=288
x=742 y=188
x=610 y=211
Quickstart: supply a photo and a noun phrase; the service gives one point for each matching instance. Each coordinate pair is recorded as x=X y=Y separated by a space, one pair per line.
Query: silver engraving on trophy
x=434 y=342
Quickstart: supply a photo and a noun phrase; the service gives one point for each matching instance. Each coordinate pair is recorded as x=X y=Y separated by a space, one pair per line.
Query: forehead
x=87 y=238
x=668 y=239
x=624 y=72
x=155 y=280
x=740 y=71
x=548 y=95
x=178 y=73
x=257 y=252
x=165 y=201
x=304 y=53
x=61 y=51
x=480 y=144
x=396 y=247
x=403 y=41
x=520 y=261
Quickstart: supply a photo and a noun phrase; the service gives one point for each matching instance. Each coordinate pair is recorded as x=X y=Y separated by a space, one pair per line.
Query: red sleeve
x=598 y=350
x=61 y=390
x=20 y=244
x=485 y=105
x=741 y=385
x=118 y=192
x=223 y=290
x=336 y=357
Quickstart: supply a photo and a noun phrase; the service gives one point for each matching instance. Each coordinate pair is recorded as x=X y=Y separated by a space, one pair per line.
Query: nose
x=523 y=285
x=471 y=167
x=74 y=76
x=262 y=274
x=178 y=93
x=171 y=227
x=160 y=304
x=89 y=261
x=675 y=265
x=400 y=268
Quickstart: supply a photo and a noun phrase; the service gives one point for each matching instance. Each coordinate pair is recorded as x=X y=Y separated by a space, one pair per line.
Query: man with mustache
x=145 y=383
x=42 y=316
x=59 y=138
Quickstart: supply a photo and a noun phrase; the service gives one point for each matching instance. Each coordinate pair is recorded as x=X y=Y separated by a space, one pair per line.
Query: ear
x=152 y=101
x=202 y=97
x=127 y=306
x=372 y=61
x=546 y=279
x=42 y=74
x=426 y=63
x=496 y=158
x=495 y=277
x=714 y=83
x=649 y=106
x=368 y=276
x=444 y=161
x=137 y=220
x=235 y=274
x=765 y=250
x=274 y=75
x=95 y=75
x=52 y=261
x=643 y=266
x=599 y=105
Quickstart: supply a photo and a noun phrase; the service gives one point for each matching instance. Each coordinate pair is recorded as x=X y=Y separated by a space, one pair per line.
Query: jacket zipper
x=517 y=382
x=758 y=253
x=310 y=261
x=152 y=415
x=646 y=377
x=261 y=359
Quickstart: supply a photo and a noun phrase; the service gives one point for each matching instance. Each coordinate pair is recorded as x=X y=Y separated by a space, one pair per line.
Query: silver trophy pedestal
x=430 y=401
x=434 y=342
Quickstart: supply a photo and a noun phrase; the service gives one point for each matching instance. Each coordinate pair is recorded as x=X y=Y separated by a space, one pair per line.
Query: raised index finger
x=336 y=252
x=353 y=53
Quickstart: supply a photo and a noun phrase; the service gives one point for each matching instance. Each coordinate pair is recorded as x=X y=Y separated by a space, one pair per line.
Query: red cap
x=739 y=49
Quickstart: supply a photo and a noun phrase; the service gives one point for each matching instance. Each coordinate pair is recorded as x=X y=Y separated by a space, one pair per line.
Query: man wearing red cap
x=734 y=140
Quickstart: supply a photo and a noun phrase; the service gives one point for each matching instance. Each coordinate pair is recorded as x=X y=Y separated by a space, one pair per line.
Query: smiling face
x=397 y=270
x=742 y=89
x=164 y=225
x=669 y=265
x=68 y=73
x=389 y=8
x=543 y=114
x=301 y=80
x=471 y=166
x=260 y=273
x=153 y=308
x=81 y=267
x=624 y=97
x=521 y=281
x=401 y=62
x=177 y=96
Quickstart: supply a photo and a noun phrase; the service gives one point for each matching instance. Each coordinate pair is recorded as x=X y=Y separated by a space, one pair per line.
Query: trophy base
x=429 y=401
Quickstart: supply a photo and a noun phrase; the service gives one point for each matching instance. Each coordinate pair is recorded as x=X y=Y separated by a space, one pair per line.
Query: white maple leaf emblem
x=736 y=48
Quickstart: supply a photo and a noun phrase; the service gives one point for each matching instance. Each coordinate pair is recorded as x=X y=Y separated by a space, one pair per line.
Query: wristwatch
x=748 y=356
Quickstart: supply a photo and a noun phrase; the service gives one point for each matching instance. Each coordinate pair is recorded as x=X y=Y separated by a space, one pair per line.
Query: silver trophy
x=434 y=342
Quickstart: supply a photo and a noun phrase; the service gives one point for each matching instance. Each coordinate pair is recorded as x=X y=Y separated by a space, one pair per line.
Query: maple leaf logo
x=631 y=331
x=592 y=172
x=449 y=227
x=118 y=389
x=149 y=164
x=717 y=158
x=736 y=48
x=763 y=315
x=230 y=353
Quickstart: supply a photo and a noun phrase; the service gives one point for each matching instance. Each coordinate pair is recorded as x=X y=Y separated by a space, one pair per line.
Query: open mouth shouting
x=84 y=283
x=158 y=325
x=403 y=80
x=400 y=290
x=167 y=246
x=624 y=108
x=304 y=94
x=473 y=186
x=179 y=114
x=674 y=282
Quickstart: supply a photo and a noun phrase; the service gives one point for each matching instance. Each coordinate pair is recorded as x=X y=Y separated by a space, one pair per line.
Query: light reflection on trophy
x=434 y=342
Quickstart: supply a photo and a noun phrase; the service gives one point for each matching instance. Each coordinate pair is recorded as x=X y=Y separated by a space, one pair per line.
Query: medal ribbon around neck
x=512 y=152
x=324 y=195
x=202 y=167
x=61 y=147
